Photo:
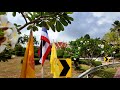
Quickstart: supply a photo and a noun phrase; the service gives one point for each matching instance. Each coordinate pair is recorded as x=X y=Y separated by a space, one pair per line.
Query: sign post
x=113 y=56
x=106 y=59
x=65 y=68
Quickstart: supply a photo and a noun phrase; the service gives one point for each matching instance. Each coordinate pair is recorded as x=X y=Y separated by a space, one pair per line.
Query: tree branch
x=24 y=16
x=34 y=21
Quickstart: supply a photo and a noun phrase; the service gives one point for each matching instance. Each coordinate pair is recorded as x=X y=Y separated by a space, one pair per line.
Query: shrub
x=60 y=53
x=19 y=50
x=6 y=54
x=117 y=55
x=96 y=63
x=84 y=61
x=90 y=62
x=36 y=55
x=66 y=56
x=13 y=52
x=19 y=53
x=23 y=50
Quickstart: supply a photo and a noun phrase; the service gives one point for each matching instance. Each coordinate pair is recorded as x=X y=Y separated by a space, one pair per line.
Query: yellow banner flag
x=54 y=62
x=53 y=56
x=56 y=69
x=28 y=66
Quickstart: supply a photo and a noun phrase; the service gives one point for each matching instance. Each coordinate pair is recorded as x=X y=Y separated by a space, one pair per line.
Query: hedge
x=96 y=63
x=93 y=62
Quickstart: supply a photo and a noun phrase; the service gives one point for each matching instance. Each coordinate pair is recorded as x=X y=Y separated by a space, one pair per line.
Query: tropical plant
x=33 y=20
x=54 y=20
x=24 y=39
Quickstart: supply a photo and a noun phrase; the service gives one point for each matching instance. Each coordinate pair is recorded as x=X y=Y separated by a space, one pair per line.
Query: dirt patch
x=12 y=69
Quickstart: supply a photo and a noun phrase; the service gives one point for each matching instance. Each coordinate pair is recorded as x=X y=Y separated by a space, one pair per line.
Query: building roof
x=60 y=44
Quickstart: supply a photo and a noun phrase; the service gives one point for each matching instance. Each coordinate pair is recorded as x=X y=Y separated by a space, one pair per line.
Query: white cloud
x=97 y=14
x=103 y=20
x=94 y=23
x=106 y=17
x=89 y=20
x=17 y=19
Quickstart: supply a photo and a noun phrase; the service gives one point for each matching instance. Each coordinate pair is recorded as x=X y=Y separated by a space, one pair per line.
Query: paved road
x=117 y=74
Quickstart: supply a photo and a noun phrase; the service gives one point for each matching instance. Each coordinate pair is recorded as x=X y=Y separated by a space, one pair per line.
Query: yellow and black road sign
x=65 y=67
x=106 y=59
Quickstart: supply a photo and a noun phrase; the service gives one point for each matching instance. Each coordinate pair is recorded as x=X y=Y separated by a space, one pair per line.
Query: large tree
x=33 y=20
x=54 y=20
x=113 y=37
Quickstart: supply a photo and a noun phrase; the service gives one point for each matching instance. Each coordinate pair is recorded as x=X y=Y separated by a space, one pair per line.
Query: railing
x=94 y=69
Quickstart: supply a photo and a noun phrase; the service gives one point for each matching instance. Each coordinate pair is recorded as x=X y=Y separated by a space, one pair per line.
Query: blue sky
x=96 y=24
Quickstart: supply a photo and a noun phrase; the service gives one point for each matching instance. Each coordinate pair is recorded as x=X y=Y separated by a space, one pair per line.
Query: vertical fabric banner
x=28 y=65
x=54 y=62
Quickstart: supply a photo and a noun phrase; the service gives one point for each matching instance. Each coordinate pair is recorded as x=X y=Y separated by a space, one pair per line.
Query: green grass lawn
x=105 y=73
x=84 y=67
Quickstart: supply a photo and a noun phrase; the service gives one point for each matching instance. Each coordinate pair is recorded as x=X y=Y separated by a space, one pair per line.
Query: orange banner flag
x=28 y=66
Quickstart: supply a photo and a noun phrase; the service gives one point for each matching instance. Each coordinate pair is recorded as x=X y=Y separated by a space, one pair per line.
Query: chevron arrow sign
x=65 y=68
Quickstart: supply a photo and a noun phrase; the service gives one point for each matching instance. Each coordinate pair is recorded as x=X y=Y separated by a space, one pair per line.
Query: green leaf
x=40 y=24
x=30 y=13
x=53 y=21
x=15 y=24
x=18 y=25
x=35 y=28
x=62 y=20
x=68 y=21
x=42 y=13
x=43 y=24
x=29 y=27
x=46 y=25
x=32 y=16
x=52 y=26
x=70 y=18
x=35 y=14
x=67 y=18
x=46 y=13
x=29 y=18
x=59 y=26
x=69 y=12
x=14 y=14
x=1 y=32
x=2 y=13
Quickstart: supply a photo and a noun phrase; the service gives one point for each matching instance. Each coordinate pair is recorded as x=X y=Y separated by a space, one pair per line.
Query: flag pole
x=42 y=69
